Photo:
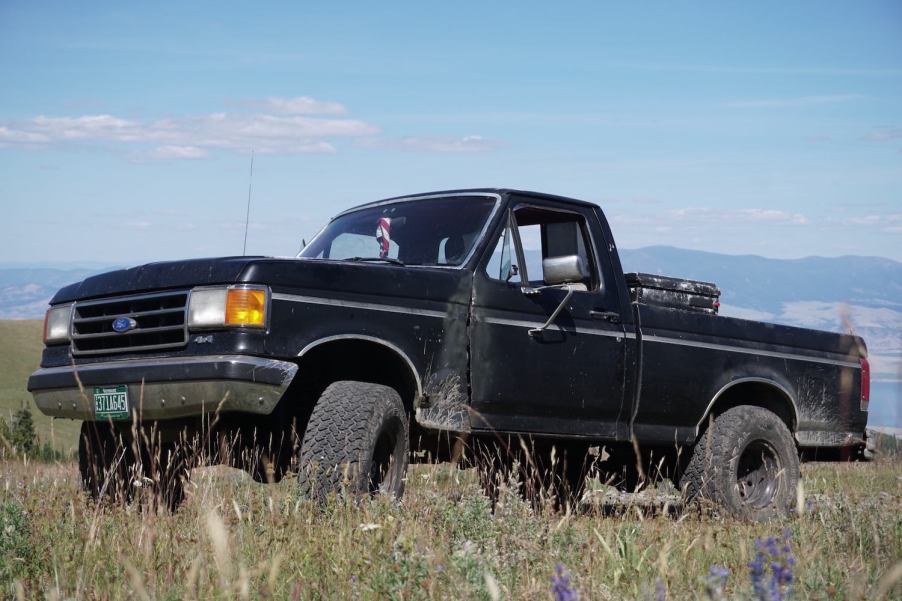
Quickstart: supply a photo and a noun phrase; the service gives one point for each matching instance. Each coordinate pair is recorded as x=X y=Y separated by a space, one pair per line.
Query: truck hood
x=281 y=274
x=156 y=276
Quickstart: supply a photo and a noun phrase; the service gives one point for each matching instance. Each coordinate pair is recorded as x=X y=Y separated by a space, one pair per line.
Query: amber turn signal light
x=245 y=307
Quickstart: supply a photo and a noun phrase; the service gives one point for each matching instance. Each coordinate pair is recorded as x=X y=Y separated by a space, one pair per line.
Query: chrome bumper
x=166 y=388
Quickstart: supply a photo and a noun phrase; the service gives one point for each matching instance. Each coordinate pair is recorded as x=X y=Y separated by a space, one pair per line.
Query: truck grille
x=161 y=320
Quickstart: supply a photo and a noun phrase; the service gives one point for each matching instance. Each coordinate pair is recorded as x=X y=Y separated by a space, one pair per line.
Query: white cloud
x=890 y=223
x=303 y=105
x=176 y=152
x=10 y=136
x=86 y=127
x=708 y=215
x=191 y=137
x=446 y=144
x=883 y=135
x=286 y=126
x=800 y=101
x=773 y=216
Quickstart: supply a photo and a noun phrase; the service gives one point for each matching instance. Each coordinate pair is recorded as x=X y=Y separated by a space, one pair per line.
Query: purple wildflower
x=716 y=582
x=560 y=585
x=776 y=556
x=660 y=590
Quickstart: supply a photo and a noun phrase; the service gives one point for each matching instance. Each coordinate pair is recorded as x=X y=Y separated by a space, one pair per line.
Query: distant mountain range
x=768 y=284
x=25 y=290
x=863 y=294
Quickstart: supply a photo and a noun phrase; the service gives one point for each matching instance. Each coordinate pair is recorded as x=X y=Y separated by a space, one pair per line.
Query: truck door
x=569 y=378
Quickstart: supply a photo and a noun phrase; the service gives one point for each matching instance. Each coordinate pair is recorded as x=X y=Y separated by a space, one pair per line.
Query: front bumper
x=167 y=388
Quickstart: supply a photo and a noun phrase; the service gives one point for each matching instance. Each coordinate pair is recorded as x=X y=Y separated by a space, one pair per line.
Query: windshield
x=437 y=231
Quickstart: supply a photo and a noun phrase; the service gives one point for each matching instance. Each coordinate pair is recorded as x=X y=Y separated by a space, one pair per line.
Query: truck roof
x=464 y=191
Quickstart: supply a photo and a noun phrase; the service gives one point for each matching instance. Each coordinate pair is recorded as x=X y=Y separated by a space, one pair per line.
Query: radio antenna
x=247 y=216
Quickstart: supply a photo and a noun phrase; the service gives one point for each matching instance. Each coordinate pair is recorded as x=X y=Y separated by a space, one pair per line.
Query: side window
x=502 y=264
x=546 y=233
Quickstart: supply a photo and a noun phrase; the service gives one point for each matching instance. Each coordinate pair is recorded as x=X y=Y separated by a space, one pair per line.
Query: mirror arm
x=538 y=331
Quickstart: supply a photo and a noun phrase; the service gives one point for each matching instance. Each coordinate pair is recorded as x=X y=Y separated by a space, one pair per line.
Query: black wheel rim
x=758 y=474
x=380 y=477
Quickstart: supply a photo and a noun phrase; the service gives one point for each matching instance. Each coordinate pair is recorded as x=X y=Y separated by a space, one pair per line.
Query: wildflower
x=660 y=591
x=776 y=556
x=716 y=582
x=560 y=585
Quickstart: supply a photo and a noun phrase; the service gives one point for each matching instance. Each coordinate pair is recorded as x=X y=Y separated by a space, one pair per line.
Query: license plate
x=111 y=402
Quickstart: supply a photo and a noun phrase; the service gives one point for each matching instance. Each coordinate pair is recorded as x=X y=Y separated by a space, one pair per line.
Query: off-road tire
x=104 y=463
x=356 y=442
x=746 y=463
x=110 y=470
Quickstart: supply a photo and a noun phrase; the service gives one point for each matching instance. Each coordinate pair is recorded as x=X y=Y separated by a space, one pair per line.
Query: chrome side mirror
x=569 y=269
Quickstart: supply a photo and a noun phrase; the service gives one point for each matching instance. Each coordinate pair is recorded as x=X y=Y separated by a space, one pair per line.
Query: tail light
x=865 y=383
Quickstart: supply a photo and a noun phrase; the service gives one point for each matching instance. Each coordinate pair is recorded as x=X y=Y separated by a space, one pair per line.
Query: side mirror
x=569 y=269
x=511 y=272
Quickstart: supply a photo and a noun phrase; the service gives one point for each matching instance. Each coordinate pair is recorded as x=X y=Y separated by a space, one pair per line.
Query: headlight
x=56 y=324
x=234 y=306
x=207 y=308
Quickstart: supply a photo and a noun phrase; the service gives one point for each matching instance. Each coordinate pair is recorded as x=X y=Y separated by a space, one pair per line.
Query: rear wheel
x=356 y=442
x=747 y=463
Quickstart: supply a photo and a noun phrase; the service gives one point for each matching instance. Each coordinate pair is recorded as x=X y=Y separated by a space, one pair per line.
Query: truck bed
x=689 y=358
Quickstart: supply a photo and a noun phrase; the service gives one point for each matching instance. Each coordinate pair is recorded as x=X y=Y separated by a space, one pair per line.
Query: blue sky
x=126 y=130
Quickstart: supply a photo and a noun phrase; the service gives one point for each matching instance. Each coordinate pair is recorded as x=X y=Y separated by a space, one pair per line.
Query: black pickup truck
x=420 y=327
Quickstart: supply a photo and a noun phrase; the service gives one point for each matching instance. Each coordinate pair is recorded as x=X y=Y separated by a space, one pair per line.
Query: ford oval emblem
x=124 y=324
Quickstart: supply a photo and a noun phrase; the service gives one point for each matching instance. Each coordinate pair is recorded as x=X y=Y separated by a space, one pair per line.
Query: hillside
x=21 y=355
x=25 y=290
x=768 y=285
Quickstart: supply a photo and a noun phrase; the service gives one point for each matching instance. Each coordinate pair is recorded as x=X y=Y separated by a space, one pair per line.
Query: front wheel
x=113 y=468
x=747 y=463
x=356 y=442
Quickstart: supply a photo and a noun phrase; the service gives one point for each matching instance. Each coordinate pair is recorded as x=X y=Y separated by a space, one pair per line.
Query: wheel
x=356 y=442
x=167 y=469
x=104 y=462
x=747 y=463
x=110 y=469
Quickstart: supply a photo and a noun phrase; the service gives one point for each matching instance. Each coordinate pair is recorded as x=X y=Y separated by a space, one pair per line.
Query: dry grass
x=236 y=538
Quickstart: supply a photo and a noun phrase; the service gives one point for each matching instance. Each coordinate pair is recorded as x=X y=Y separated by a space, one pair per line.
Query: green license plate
x=111 y=402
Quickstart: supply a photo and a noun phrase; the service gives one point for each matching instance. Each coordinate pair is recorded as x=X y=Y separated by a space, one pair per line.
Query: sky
x=126 y=130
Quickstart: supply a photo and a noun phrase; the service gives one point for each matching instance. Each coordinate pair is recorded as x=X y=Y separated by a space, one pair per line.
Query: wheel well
x=357 y=359
x=758 y=393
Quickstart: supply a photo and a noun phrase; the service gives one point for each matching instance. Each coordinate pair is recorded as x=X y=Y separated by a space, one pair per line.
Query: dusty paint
x=673 y=292
x=447 y=408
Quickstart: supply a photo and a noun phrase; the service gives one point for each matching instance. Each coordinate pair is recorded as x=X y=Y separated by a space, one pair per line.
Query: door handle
x=609 y=316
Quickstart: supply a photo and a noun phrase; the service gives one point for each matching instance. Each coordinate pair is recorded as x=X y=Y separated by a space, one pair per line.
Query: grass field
x=21 y=355
x=238 y=539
